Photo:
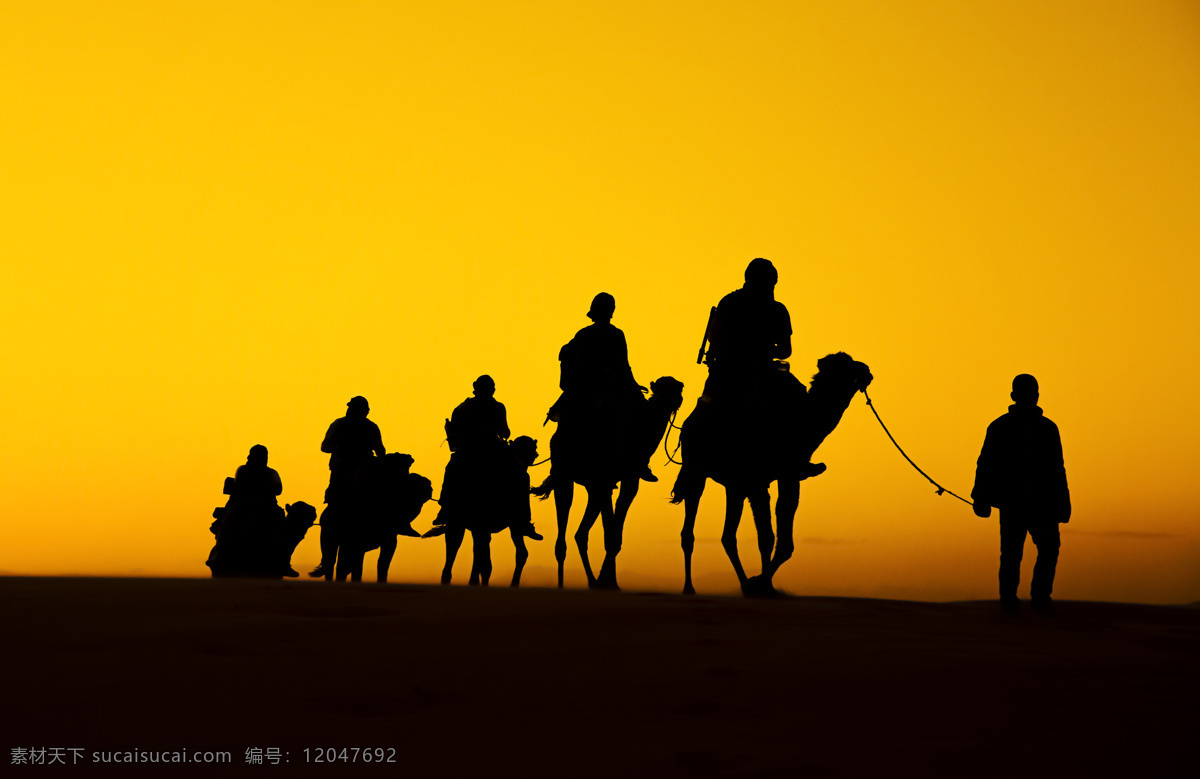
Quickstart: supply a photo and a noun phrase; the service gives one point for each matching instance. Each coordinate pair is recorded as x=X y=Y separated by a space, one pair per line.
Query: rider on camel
x=599 y=391
x=477 y=432
x=750 y=332
x=249 y=527
x=350 y=441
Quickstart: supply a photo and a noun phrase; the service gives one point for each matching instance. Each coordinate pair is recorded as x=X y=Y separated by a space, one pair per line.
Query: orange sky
x=223 y=221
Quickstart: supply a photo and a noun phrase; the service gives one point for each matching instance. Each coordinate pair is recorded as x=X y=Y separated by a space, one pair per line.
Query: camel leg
x=760 y=509
x=518 y=539
x=785 y=518
x=591 y=513
x=387 y=550
x=687 y=538
x=734 y=503
x=564 y=495
x=481 y=568
x=613 y=537
x=329 y=544
x=344 y=563
x=454 y=539
x=614 y=531
x=629 y=491
x=350 y=563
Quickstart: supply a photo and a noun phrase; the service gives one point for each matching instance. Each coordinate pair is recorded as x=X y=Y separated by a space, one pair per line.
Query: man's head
x=603 y=306
x=1025 y=390
x=484 y=387
x=761 y=274
x=257 y=456
x=358 y=407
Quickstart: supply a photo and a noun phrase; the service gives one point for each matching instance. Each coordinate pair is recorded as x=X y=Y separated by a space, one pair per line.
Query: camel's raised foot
x=436 y=530
x=318 y=572
x=758 y=587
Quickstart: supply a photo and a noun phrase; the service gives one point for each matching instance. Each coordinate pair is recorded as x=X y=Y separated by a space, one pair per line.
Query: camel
x=487 y=495
x=257 y=543
x=383 y=507
x=745 y=452
x=600 y=464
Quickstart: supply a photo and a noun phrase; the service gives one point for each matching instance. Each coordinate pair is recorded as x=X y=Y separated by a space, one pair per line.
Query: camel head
x=524 y=449
x=667 y=392
x=420 y=488
x=841 y=373
x=302 y=514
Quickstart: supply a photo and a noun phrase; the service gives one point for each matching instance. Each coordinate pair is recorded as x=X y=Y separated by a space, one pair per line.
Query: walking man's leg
x=1047 y=540
x=1012 y=549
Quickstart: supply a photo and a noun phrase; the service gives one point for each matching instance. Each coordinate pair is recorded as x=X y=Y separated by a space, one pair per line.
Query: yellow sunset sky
x=222 y=220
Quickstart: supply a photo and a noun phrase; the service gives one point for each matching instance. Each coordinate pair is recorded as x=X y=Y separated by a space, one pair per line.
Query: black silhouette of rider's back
x=749 y=329
x=353 y=438
x=480 y=422
x=255 y=484
x=595 y=363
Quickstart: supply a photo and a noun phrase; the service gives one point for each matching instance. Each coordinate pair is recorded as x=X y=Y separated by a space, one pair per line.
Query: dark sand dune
x=467 y=682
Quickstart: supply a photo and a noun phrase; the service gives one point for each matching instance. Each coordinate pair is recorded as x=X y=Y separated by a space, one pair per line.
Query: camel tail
x=543 y=490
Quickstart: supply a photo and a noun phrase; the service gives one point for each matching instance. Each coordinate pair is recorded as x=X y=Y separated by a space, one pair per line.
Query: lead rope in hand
x=940 y=488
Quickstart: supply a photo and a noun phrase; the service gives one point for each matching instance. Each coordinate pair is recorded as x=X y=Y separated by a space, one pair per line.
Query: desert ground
x=457 y=681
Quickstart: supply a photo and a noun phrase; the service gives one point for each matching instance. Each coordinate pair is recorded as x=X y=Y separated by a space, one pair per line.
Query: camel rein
x=940 y=488
x=671 y=455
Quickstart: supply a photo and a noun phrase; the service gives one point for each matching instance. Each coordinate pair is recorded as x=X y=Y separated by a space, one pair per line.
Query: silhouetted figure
x=618 y=455
x=254 y=535
x=484 y=474
x=749 y=330
x=745 y=460
x=1021 y=472
x=351 y=442
x=749 y=333
x=479 y=423
x=598 y=388
x=389 y=498
x=477 y=433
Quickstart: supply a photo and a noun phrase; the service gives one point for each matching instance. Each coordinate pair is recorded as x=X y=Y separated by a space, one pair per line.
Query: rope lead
x=940 y=489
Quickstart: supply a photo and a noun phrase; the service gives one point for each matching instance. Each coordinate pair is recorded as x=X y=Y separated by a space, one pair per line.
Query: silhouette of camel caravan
x=601 y=457
x=746 y=446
